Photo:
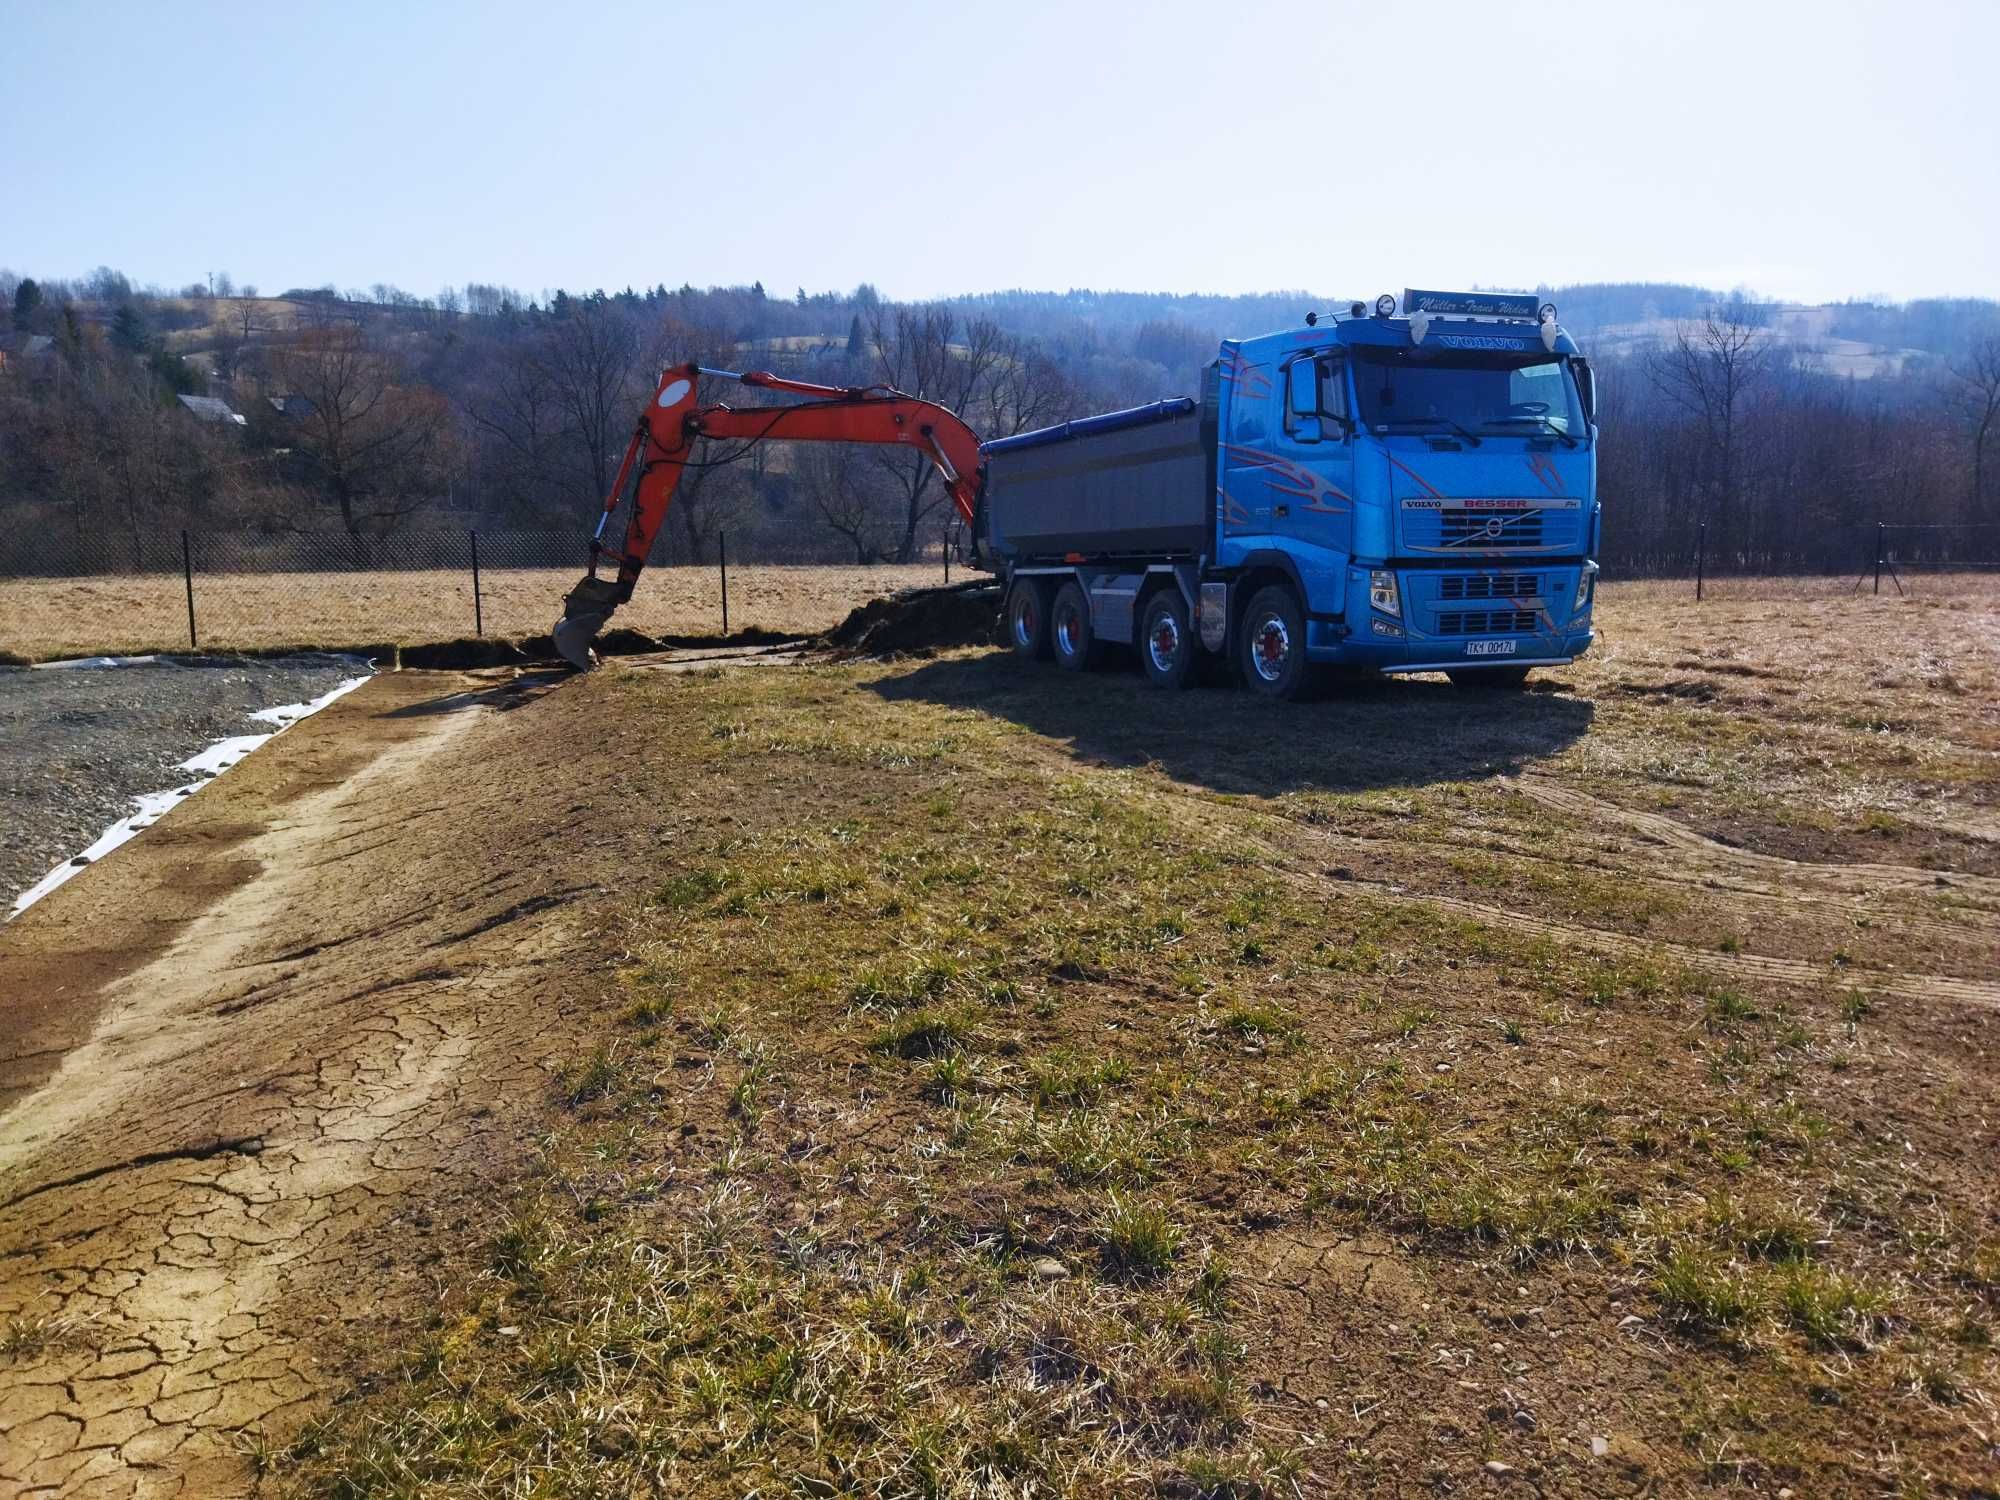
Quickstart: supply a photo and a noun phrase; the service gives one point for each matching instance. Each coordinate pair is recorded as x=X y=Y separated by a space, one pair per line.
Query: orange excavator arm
x=663 y=446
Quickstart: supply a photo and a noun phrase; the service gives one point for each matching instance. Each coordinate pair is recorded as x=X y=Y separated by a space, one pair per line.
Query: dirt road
x=239 y=1055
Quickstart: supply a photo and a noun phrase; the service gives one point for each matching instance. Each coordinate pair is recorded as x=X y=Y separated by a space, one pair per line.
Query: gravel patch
x=77 y=745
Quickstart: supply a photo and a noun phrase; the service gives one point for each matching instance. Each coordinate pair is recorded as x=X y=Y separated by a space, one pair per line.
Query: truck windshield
x=1411 y=390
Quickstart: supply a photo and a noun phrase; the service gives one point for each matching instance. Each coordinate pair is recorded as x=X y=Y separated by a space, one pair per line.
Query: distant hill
x=1860 y=339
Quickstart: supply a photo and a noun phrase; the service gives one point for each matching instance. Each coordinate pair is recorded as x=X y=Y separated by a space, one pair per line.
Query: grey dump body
x=1126 y=484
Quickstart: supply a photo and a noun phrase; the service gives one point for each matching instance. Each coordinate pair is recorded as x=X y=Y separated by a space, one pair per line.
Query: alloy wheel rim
x=1165 y=643
x=1270 y=647
x=1024 y=623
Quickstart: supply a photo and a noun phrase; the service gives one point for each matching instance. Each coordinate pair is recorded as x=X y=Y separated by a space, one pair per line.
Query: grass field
x=46 y=619
x=1005 y=1084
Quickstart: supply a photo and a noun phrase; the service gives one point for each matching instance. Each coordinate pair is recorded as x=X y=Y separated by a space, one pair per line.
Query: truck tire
x=1028 y=619
x=1167 y=641
x=1076 y=645
x=1271 y=646
x=1511 y=679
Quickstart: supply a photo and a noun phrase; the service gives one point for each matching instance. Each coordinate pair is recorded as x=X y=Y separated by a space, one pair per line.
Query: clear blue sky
x=1808 y=150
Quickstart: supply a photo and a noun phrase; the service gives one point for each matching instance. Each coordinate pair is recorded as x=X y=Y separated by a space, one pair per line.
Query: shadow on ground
x=1351 y=738
x=513 y=693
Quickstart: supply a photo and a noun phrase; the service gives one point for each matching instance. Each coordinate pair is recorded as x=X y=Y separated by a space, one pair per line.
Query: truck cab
x=1404 y=488
x=1425 y=478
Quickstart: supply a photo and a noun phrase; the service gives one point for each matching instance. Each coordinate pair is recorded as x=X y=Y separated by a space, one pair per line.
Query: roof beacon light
x=1357 y=310
x=1385 y=306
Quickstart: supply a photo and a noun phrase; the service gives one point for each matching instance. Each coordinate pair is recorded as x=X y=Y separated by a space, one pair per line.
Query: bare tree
x=846 y=495
x=1026 y=390
x=599 y=369
x=1710 y=372
x=924 y=351
x=517 y=412
x=371 y=444
x=1978 y=390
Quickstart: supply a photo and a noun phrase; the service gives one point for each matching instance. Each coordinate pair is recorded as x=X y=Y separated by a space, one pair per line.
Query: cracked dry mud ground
x=286 y=1029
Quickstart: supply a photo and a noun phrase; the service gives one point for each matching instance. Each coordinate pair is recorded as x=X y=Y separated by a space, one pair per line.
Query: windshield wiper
x=1463 y=431
x=1542 y=422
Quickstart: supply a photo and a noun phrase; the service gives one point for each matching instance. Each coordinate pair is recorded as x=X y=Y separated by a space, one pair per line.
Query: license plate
x=1490 y=648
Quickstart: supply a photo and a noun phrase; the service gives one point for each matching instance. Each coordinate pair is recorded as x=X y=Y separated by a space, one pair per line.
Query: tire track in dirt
x=275 y=1100
x=1846 y=879
x=1745 y=966
x=1694 y=858
x=1645 y=864
x=1698 y=859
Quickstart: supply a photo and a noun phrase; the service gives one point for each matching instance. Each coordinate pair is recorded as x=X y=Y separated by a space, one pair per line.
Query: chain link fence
x=108 y=594
x=119 y=593
x=1887 y=556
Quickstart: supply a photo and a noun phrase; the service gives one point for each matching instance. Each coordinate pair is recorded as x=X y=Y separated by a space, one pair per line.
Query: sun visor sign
x=1553 y=503
x=1479 y=341
x=1471 y=304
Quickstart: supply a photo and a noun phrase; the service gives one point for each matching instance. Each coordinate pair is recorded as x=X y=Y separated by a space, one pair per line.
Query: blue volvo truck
x=1393 y=489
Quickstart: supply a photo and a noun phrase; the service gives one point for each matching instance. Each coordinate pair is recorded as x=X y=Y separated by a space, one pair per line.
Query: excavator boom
x=664 y=443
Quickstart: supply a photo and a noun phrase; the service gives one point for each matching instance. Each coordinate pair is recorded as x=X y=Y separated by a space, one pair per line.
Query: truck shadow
x=1396 y=732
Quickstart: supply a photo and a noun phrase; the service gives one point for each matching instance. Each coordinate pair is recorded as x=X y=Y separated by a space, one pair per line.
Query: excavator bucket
x=585 y=609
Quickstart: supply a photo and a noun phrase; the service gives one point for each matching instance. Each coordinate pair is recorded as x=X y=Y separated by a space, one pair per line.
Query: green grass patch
x=921 y=1033
x=1698 y=1287
x=1137 y=1238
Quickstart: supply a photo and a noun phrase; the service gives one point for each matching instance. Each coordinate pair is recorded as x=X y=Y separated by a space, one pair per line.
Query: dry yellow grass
x=46 y=619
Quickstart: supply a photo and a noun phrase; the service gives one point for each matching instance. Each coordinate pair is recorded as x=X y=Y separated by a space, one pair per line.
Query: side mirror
x=1586 y=389
x=1302 y=401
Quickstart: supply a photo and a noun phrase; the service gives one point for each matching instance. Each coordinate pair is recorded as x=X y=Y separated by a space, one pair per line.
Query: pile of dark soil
x=500 y=651
x=919 y=622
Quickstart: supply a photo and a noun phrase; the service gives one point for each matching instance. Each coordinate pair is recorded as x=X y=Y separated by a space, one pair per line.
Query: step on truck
x=1383 y=491
x=1387 y=490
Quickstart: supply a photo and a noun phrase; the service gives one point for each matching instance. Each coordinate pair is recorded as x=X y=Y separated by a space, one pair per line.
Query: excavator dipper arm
x=665 y=441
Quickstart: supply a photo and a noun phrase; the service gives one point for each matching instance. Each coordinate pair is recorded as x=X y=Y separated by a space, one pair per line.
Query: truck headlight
x=1584 y=580
x=1382 y=592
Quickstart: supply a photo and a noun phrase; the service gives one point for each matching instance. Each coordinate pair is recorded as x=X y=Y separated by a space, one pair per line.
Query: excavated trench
x=911 y=623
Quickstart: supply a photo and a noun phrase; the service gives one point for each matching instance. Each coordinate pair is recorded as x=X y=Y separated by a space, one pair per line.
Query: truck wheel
x=1271 y=646
x=1076 y=645
x=1510 y=678
x=1166 y=641
x=1028 y=620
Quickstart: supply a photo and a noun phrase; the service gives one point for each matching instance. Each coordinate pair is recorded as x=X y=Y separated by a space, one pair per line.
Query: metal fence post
x=478 y=613
x=722 y=557
x=1700 y=557
x=187 y=577
x=947 y=557
x=1881 y=539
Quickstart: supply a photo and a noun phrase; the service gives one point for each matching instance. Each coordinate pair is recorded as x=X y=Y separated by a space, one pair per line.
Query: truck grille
x=1486 y=622
x=1489 y=585
x=1521 y=528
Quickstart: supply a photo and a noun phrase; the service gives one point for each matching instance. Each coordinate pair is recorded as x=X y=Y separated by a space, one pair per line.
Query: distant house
x=210 y=409
x=25 y=351
x=291 y=408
